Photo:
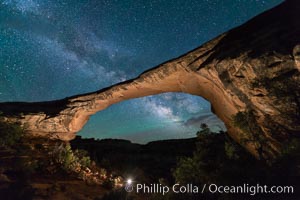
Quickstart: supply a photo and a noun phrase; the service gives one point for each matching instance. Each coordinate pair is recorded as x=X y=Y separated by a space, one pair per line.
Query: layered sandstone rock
x=250 y=75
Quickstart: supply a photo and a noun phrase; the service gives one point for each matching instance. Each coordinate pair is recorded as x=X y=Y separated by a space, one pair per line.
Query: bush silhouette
x=10 y=134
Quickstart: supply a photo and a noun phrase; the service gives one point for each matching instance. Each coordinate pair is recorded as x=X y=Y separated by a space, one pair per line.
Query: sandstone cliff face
x=250 y=75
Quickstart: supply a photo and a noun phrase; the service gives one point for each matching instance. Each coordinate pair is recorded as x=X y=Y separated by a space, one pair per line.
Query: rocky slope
x=250 y=75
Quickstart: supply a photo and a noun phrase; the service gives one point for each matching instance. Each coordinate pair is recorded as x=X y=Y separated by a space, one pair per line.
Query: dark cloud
x=210 y=119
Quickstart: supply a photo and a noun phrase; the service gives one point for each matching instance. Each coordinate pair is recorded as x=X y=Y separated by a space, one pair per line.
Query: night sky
x=54 y=49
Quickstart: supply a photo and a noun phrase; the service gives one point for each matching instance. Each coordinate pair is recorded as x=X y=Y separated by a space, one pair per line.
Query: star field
x=50 y=49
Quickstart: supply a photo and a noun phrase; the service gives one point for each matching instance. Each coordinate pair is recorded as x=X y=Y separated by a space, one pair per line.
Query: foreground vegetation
x=219 y=160
x=40 y=168
x=212 y=158
x=209 y=158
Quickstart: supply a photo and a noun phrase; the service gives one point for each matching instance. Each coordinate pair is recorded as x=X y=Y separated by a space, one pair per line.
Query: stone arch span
x=252 y=70
x=63 y=118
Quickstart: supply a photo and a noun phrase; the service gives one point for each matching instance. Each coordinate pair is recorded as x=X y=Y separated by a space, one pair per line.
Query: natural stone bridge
x=250 y=75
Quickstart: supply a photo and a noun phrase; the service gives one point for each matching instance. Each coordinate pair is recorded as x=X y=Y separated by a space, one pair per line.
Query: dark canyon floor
x=35 y=168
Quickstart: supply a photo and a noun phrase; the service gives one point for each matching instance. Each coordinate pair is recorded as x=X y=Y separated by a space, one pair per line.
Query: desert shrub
x=201 y=167
x=10 y=134
x=241 y=120
x=63 y=156
x=217 y=159
x=246 y=121
x=83 y=157
x=292 y=148
x=231 y=150
x=69 y=160
x=187 y=170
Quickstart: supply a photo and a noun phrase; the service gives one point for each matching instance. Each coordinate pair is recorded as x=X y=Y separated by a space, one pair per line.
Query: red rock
x=252 y=69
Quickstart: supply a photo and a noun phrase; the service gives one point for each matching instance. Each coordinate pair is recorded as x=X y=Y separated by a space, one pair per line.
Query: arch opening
x=157 y=117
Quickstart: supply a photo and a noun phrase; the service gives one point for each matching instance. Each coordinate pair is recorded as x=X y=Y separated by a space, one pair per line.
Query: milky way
x=53 y=49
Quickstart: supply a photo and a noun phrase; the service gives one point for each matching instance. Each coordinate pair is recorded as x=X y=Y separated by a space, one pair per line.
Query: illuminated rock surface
x=250 y=75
